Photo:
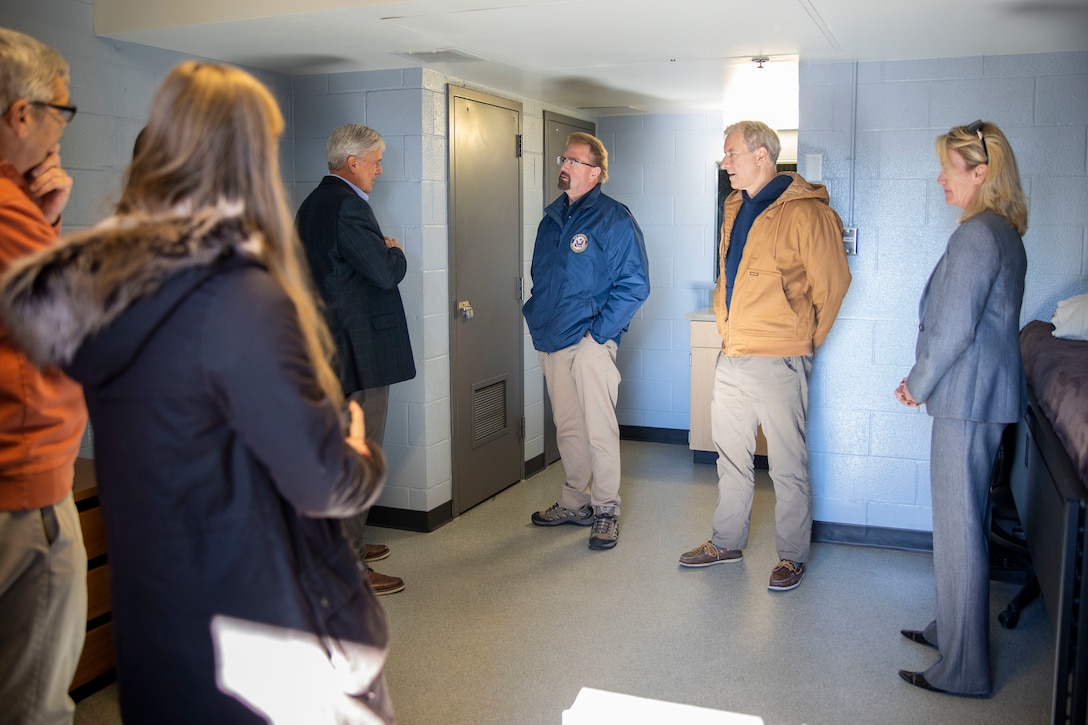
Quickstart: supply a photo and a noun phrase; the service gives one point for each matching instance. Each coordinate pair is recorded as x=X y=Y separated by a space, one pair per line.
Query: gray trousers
x=583 y=382
x=375 y=402
x=43 y=598
x=772 y=392
x=961 y=463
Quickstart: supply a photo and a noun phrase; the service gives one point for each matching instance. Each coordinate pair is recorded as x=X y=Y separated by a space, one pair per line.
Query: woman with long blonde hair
x=969 y=375
x=222 y=459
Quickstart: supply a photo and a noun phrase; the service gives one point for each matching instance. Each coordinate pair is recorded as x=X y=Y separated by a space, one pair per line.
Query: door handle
x=464 y=308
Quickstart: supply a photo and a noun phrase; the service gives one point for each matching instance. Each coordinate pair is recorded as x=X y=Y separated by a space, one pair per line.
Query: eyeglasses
x=976 y=128
x=66 y=112
x=560 y=160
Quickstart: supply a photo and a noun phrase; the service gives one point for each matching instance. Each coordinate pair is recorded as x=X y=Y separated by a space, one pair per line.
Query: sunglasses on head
x=976 y=128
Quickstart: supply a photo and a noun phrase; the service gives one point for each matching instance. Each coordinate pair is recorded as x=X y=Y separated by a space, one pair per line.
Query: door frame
x=517 y=377
x=551 y=448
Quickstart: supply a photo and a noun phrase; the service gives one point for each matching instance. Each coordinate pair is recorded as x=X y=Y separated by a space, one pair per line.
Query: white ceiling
x=603 y=56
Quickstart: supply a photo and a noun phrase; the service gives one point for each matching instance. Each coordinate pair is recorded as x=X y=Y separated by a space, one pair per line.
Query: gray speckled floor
x=503 y=621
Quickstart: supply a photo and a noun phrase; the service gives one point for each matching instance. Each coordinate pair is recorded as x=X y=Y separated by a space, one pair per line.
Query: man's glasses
x=976 y=128
x=66 y=112
x=560 y=160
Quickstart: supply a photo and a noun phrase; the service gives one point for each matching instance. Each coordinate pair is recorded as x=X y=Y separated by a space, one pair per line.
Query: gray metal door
x=556 y=130
x=486 y=369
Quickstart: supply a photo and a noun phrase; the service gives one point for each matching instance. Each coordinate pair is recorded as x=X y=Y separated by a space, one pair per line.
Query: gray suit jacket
x=967 y=360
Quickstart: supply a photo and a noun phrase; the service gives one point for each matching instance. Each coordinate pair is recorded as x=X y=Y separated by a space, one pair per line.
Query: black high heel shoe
x=918 y=680
x=916 y=635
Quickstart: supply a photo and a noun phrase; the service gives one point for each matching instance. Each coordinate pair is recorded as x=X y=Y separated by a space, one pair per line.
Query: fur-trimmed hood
x=53 y=301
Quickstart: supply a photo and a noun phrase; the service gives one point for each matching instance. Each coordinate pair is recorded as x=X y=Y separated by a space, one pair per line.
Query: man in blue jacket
x=590 y=276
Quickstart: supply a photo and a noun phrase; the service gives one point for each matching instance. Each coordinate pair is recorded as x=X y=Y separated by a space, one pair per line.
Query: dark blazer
x=357 y=276
x=968 y=353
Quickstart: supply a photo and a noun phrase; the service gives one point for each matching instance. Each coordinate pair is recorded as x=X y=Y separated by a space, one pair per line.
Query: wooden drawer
x=97 y=658
x=98 y=592
x=94 y=532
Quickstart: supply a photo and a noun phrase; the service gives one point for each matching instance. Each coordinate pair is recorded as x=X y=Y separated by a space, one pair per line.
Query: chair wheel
x=1008 y=619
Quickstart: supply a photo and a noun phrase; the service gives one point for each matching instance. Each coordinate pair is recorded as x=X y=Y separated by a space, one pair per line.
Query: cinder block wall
x=664 y=167
x=874 y=124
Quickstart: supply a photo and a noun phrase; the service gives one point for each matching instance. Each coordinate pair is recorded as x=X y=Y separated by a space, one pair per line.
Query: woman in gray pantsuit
x=969 y=375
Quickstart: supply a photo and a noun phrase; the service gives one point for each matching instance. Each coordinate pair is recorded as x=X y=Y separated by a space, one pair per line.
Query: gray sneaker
x=555 y=515
x=707 y=555
x=606 y=530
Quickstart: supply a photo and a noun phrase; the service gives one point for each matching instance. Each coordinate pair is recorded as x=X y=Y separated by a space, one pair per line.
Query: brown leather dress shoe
x=382 y=584
x=376 y=552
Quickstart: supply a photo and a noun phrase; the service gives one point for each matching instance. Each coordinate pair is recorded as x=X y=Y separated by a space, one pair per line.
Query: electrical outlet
x=850 y=240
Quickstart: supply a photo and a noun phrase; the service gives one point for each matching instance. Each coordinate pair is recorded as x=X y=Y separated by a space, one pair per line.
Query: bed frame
x=1052 y=503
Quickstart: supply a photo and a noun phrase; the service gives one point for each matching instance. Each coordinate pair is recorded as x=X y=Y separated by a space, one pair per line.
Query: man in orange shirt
x=43 y=565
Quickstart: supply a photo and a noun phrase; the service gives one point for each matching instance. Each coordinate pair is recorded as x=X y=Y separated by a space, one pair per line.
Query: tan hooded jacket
x=792 y=277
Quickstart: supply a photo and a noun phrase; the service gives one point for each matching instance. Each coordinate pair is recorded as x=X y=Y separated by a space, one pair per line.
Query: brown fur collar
x=53 y=300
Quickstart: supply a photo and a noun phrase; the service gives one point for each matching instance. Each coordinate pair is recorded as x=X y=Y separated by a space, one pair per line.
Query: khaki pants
x=772 y=392
x=43 y=601
x=583 y=382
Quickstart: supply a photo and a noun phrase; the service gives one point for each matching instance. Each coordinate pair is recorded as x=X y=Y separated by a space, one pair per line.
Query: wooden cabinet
x=705 y=346
x=97 y=657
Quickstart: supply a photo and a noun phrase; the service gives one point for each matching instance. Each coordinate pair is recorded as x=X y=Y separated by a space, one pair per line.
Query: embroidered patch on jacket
x=579 y=243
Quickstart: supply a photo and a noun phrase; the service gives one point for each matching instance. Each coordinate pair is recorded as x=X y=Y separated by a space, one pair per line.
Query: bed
x=1049 y=484
x=1057 y=373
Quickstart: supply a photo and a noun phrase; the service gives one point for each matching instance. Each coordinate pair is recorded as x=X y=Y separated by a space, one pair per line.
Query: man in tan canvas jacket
x=783 y=276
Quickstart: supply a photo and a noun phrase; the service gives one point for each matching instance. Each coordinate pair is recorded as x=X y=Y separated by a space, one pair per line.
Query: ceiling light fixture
x=760 y=61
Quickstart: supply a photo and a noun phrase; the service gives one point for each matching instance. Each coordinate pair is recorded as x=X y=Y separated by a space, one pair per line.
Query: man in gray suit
x=969 y=374
x=357 y=269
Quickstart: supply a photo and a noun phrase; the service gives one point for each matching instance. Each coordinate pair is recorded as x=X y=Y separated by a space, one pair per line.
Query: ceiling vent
x=438 y=56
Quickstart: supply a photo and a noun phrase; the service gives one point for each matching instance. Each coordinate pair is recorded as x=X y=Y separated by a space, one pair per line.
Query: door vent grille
x=488 y=410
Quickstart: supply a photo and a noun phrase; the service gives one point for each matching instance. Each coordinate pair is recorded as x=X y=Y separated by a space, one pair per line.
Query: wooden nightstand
x=97 y=657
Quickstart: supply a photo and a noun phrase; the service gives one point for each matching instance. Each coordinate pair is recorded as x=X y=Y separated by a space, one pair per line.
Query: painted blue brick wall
x=663 y=168
x=874 y=124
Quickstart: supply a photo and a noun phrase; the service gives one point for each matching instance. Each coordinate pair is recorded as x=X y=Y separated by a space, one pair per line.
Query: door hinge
x=520 y=290
x=518 y=148
x=521 y=429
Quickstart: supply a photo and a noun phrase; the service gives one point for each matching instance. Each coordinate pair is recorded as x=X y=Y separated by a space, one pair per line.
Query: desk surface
x=703 y=314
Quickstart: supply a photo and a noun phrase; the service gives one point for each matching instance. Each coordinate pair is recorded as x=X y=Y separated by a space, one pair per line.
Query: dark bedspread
x=1057 y=371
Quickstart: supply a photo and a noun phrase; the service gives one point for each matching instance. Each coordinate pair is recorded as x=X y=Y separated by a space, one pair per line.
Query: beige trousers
x=43 y=601
x=772 y=392
x=583 y=382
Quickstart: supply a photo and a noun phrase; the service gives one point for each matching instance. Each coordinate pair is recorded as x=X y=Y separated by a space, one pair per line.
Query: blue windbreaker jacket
x=590 y=272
